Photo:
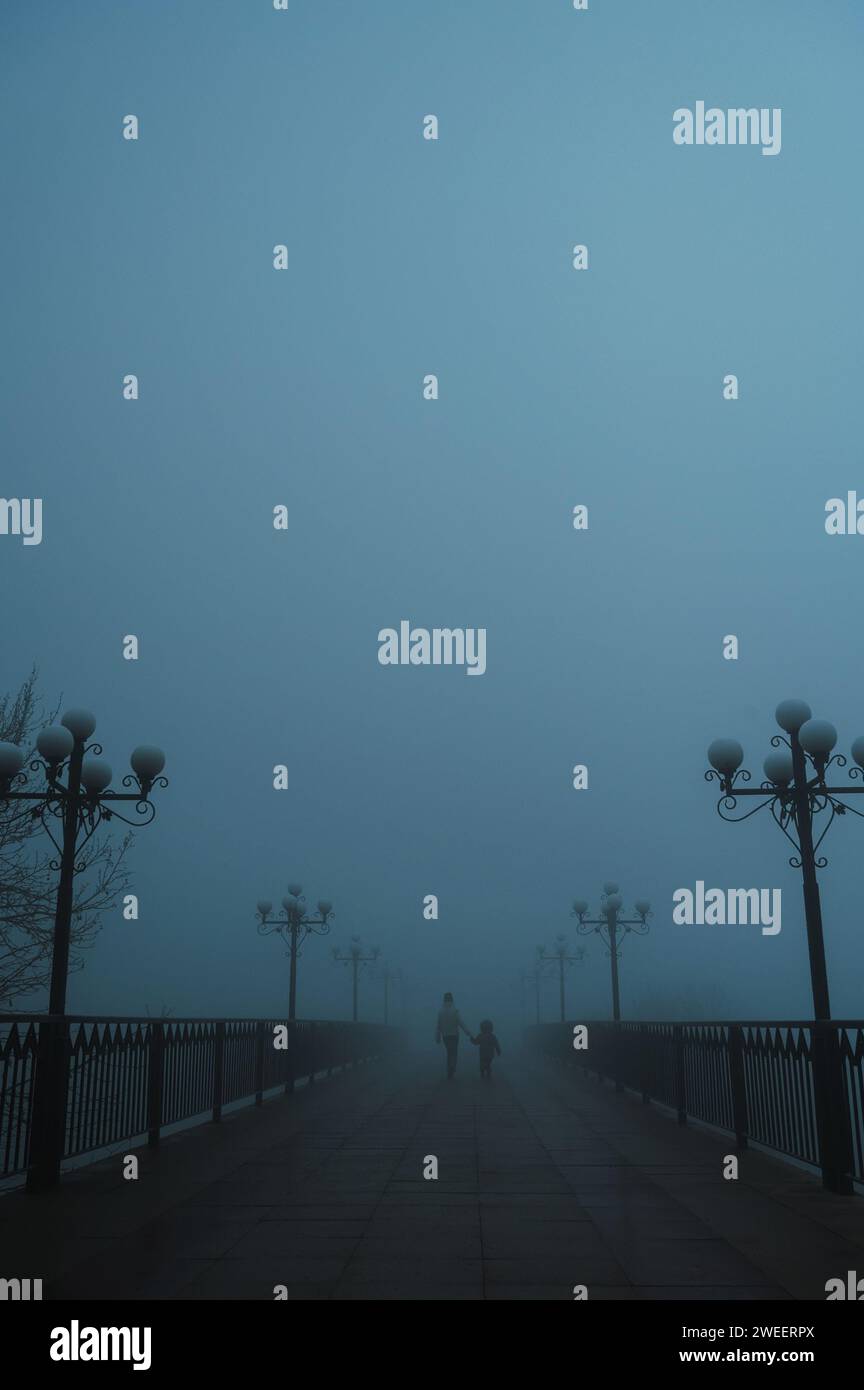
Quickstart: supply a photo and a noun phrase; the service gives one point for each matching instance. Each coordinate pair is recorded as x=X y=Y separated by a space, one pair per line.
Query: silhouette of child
x=488 y=1045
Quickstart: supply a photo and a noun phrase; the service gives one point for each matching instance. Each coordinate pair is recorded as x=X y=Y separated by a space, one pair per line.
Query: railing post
x=680 y=1073
x=291 y=1058
x=312 y=1037
x=833 y=1123
x=218 y=1069
x=618 y=1056
x=48 y=1113
x=259 y=1062
x=645 y=1055
x=737 y=1083
x=155 y=1082
x=608 y=1055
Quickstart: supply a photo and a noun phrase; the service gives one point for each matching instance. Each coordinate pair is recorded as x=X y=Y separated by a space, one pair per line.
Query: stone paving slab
x=546 y=1181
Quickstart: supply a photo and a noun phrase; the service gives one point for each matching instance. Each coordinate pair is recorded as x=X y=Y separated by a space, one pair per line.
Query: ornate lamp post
x=294 y=926
x=797 y=794
x=559 y=955
x=76 y=798
x=355 y=958
x=607 y=925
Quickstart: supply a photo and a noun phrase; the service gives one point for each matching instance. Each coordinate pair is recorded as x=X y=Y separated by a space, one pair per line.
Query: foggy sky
x=409 y=257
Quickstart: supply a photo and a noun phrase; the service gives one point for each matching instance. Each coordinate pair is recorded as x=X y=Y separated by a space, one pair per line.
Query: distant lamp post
x=75 y=801
x=389 y=977
x=559 y=956
x=796 y=792
x=532 y=978
x=294 y=925
x=355 y=958
x=608 y=924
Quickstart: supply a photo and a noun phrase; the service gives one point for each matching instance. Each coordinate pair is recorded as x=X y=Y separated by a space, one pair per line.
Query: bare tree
x=28 y=873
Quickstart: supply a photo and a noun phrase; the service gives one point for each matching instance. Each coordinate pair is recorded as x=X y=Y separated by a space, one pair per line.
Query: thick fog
x=304 y=388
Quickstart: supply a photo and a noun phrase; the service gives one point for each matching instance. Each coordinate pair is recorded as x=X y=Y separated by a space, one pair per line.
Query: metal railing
x=794 y=1087
x=75 y=1085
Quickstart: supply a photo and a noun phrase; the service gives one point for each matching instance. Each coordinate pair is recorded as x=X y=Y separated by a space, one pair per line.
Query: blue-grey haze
x=407 y=257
